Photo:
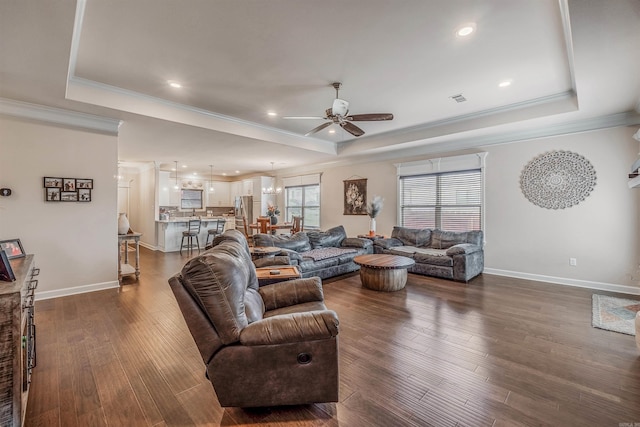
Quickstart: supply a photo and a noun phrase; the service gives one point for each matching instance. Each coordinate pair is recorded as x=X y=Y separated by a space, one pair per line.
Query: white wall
x=525 y=240
x=143 y=204
x=381 y=181
x=75 y=243
x=601 y=232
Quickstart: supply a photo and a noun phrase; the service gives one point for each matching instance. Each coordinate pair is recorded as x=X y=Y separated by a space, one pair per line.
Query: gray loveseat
x=447 y=254
x=319 y=253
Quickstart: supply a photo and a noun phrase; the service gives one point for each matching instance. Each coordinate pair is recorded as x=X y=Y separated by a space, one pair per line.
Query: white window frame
x=300 y=182
x=444 y=165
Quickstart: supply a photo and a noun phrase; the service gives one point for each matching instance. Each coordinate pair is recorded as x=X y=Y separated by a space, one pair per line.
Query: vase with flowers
x=272 y=212
x=373 y=209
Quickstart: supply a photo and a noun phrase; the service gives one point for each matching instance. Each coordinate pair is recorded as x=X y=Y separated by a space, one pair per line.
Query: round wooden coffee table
x=383 y=272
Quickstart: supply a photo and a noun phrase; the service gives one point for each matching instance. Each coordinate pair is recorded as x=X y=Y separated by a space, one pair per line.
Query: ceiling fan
x=339 y=114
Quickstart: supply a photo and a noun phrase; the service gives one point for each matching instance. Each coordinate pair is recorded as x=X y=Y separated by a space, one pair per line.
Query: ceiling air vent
x=458 y=98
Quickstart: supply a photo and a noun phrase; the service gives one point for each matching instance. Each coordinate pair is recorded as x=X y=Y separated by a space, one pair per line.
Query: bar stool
x=217 y=229
x=193 y=229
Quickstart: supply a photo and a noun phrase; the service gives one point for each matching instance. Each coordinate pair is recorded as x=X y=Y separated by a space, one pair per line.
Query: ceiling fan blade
x=369 y=117
x=318 y=129
x=304 y=117
x=352 y=129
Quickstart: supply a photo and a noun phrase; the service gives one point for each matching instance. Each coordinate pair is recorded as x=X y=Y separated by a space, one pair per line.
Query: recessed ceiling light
x=505 y=83
x=237 y=171
x=224 y=174
x=174 y=84
x=272 y=113
x=465 y=30
x=332 y=131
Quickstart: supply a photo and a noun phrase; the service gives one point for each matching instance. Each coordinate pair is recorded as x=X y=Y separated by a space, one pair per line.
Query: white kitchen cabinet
x=167 y=194
x=236 y=189
x=221 y=195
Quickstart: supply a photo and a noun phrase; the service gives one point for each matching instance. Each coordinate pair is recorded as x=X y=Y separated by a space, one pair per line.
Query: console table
x=126 y=268
x=17 y=340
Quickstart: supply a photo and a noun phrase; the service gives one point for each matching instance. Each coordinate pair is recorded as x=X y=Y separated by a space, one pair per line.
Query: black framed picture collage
x=67 y=189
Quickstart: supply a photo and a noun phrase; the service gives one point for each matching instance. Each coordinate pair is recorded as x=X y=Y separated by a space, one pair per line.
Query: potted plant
x=373 y=209
x=272 y=211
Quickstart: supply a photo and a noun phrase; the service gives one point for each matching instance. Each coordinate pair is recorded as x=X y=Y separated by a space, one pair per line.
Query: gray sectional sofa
x=319 y=253
x=447 y=254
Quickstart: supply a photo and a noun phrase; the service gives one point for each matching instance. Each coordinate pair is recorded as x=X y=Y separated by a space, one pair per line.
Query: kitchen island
x=169 y=231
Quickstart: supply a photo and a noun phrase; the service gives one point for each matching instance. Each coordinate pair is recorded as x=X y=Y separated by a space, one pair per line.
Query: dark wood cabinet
x=17 y=340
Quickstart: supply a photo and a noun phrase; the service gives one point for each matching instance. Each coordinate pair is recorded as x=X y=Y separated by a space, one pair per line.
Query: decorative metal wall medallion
x=557 y=179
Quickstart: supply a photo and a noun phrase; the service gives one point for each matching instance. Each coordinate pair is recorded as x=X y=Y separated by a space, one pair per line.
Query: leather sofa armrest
x=356 y=242
x=275 y=260
x=388 y=242
x=288 y=328
x=291 y=292
x=463 y=249
x=293 y=255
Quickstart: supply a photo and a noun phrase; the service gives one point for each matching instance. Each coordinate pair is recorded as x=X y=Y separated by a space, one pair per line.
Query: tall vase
x=372 y=227
x=123 y=223
x=274 y=220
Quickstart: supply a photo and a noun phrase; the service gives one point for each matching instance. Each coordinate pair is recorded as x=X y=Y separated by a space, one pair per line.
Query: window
x=449 y=201
x=303 y=200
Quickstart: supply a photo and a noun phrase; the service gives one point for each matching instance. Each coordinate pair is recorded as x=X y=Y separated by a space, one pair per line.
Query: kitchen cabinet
x=167 y=194
x=235 y=189
x=221 y=194
x=247 y=187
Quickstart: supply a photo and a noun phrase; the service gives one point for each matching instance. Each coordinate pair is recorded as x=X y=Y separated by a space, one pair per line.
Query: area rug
x=614 y=314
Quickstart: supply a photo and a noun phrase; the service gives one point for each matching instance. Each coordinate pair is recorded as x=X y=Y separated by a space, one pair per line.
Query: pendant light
x=211 y=190
x=176 y=187
x=271 y=190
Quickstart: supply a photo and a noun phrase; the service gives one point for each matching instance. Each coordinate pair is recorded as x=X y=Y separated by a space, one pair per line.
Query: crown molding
x=58 y=116
x=472 y=144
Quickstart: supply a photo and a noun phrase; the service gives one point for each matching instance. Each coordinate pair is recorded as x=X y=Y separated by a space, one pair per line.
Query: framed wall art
x=355 y=196
x=6 y=272
x=67 y=189
x=52 y=182
x=13 y=248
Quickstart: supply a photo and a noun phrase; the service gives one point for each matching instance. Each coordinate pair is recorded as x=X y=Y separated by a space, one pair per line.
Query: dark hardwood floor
x=495 y=352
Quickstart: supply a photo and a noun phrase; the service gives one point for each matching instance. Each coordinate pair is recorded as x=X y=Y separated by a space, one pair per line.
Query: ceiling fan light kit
x=339 y=114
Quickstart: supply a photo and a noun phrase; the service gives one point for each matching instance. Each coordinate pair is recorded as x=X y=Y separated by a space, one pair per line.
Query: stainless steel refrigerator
x=243 y=206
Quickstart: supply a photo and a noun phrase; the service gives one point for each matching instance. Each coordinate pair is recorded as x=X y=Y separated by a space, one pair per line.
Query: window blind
x=449 y=201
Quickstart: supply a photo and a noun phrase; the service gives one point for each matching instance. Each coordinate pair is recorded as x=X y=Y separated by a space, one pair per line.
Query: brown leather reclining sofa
x=268 y=346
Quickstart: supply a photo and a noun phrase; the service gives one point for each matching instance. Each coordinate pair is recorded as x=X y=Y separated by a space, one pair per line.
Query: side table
x=126 y=268
x=286 y=273
x=262 y=251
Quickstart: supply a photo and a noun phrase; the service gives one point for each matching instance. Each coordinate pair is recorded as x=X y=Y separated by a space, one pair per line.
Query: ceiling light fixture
x=271 y=190
x=176 y=187
x=465 y=30
x=505 y=83
x=272 y=113
x=174 y=84
x=211 y=190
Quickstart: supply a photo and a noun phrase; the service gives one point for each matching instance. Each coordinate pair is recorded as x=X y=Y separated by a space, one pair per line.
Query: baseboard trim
x=601 y=286
x=148 y=246
x=76 y=290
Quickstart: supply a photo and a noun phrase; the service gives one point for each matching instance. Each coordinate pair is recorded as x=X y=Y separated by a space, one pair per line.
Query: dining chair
x=264 y=222
x=193 y=229
x=245 y=226
x=297 y=224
